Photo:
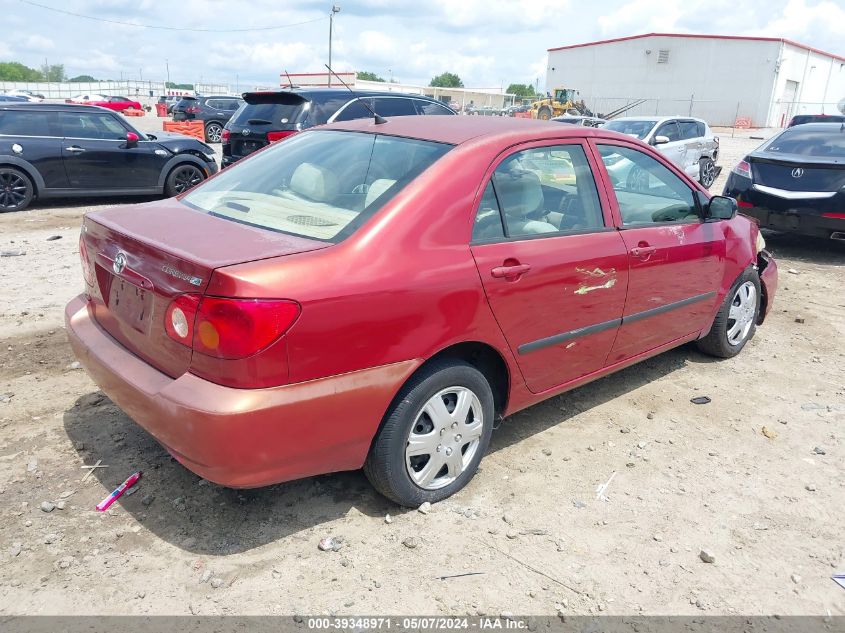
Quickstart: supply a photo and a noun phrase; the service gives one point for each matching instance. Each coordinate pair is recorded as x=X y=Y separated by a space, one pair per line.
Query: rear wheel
x=434 y=436
x=736 y=321
x=182 y=178
x=706 y=172
x=16 y=190
x=213 y=131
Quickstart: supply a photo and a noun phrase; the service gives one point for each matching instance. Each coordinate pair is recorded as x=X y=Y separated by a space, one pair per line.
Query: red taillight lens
x=228 y=328
x=743 y=204
x=838 y=216
x=225 y=136
x=192 y=109
x=87 y=271
x=278 y=136
x=743 y=169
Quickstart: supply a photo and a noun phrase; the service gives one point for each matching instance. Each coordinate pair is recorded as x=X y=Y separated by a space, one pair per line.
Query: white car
x=687 y=142
x=26 y=94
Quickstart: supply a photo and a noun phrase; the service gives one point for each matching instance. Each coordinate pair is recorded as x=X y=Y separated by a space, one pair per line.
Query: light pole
x=335 y=9
x=167 y=65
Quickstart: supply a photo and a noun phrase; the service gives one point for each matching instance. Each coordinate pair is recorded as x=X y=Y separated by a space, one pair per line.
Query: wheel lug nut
x=448 y=451
x=442 y=431
x=454 y=425
x=439 y=447
x=458 y=437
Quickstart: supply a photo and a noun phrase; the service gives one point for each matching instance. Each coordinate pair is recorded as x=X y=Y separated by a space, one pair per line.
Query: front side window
x=646 y=190
x=321 y=185
x=90 y=125
x=545 y=190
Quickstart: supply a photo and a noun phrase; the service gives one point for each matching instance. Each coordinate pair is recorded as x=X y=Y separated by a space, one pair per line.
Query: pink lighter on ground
x=114 y=496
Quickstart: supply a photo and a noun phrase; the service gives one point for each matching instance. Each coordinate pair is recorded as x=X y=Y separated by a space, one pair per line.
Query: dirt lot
x=687 y=478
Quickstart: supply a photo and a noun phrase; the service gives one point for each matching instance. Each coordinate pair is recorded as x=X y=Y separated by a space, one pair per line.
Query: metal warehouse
x=752 y=81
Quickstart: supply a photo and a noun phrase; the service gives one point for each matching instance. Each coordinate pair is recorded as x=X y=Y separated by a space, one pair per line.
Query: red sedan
x=118 y=104
x=376 y=295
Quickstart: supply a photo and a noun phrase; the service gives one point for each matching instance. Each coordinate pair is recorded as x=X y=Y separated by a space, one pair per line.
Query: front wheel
x=213 y=132
x=736 y=321
x=706 y=172
x=434 y=435
x=16 y=190
x=182 y=178
x=544 y=114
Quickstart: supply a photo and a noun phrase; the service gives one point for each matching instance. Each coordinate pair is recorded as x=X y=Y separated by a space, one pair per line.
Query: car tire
x=182 y=178
x=736 y=321
x=544 y=114
x=16 y=190
x=213 y=132
x=428 y=472
x=706 y=172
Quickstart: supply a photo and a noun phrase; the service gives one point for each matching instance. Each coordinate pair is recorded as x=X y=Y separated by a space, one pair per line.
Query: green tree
x=521 y=90
x=81 y=79
x=175 y=86
x=366 y=75
x=53 y=72
x=15 y=71
x=447 y=80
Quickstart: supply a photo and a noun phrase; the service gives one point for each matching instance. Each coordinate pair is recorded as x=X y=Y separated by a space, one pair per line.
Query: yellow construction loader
x=562 y=103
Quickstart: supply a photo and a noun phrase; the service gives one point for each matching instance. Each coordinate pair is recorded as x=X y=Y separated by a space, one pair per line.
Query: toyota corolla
x=376 y=295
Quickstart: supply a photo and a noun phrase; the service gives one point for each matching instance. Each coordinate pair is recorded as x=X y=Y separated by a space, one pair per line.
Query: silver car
x=687 y=142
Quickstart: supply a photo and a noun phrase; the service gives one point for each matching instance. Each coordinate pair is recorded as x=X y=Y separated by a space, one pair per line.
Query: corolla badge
x=119 y=263
x=797 y=172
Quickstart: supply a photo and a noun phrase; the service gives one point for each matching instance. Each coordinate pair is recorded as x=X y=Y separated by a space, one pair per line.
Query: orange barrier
x=189 y=128
x=133 y=112
x=161 y=110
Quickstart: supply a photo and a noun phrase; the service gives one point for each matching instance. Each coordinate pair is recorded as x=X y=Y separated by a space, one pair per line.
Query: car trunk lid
x=798 y=173
x=143 y=256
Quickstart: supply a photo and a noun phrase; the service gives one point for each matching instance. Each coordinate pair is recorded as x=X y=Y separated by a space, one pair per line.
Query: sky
x=489 y=44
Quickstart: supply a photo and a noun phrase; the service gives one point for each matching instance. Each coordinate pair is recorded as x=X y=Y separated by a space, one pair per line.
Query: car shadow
x=810 y=250
x=201 y=517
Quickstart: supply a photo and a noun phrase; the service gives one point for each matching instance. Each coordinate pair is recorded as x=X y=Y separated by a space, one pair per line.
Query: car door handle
x=74 y=148
x=643 y=252
x=510 y=272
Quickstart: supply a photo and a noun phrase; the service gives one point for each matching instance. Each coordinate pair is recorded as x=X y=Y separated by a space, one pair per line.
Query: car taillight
x=228 y=328
x=192 y=109
x=87 y=271
x=278 y=136
x=225 y=136
x=743 y=169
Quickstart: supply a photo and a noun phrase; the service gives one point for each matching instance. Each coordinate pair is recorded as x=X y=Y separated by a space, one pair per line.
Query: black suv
x=57 y=150
x=215 y=112
x=273 y=115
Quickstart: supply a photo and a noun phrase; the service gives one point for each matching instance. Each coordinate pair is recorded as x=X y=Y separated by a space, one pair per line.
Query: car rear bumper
x=242 y=438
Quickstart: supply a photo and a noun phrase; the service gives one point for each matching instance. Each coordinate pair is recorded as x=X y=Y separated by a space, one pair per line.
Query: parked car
x=795 y=181
x=13 y=99
x=118 y=104
x=687 y=142
x=588 y=121
x=800 y=119
x=170 y=100
x=379 y=294
x=214 y=112
x=270 y=116
x=86 y=99
x=26 y=95
x=62 y=150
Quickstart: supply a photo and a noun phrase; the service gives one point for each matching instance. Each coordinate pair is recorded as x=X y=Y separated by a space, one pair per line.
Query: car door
x=553 y=267
x=676 y=149
x=30 y=136
x=96 y=154
x=675 y=259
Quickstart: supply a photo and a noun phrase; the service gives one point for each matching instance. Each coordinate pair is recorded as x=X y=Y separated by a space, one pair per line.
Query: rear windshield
x=828 y=142
x=267 y=114
x=640 y=129
x=321 y=184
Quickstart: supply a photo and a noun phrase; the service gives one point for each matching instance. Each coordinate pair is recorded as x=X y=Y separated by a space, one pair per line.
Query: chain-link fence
x=137 y=89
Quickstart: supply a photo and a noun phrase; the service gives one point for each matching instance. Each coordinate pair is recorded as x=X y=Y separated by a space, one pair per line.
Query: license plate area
x=248 y=147
x=130 y=304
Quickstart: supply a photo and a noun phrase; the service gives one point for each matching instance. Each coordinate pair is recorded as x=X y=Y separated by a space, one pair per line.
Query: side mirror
x=721 y=208
x=132 y=140
x=660 y=140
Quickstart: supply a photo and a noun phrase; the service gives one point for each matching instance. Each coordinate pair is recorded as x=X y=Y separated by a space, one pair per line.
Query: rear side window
x=394 y=106
x=355 y=110
x=690 y=129
x=427 y=107
x=25 y=123
x=669 y=130
x=321 y=185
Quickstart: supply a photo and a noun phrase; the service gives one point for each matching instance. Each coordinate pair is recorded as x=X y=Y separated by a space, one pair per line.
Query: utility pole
x=167 y=65
x=335 y=9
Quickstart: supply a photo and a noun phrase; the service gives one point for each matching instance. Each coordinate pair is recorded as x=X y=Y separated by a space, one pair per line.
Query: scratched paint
x=582 y=290
x=571 y=345
x=596 y=272
x=678 y=232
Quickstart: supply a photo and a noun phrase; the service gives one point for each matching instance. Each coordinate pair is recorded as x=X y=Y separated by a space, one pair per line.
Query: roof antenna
x=289 y=79
x=376 y=117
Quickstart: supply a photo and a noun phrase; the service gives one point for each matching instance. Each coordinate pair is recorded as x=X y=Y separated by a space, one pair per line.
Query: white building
x=758 y=80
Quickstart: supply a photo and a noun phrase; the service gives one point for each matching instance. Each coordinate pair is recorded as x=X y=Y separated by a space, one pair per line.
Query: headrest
x=519 y=192
x=314 y=182
x=376 y=189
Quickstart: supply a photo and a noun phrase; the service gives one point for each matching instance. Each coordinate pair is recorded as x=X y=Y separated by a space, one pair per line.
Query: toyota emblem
x=119 y=263
x=245 y=131
x=797 y=172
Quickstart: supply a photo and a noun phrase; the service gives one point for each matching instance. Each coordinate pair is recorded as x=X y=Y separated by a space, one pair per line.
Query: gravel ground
x=755 y=479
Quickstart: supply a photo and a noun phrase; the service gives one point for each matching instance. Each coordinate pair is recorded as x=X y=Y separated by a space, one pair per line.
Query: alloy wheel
x=742 y=313
x=14 y=190
x=708 y=173
x=186 y=177
x=444 y=438
x=213 y=132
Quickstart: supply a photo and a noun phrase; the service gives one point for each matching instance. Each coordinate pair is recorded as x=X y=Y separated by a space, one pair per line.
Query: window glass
x=547 y=190
x=355 y=110
x=647 y=192
x=828 y=142
x=689 y=129
x=394 y=106
x=319 y=184
x=669 y=130
x=322 y=111
x=90 y=125
x=426 y=107
x=214 y=104
x=701 y=128
x=24 y=123
x=631 y=127
x=267 y=113
x=488 y=218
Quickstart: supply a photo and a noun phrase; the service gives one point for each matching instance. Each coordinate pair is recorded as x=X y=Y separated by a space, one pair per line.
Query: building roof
x=703 y=37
